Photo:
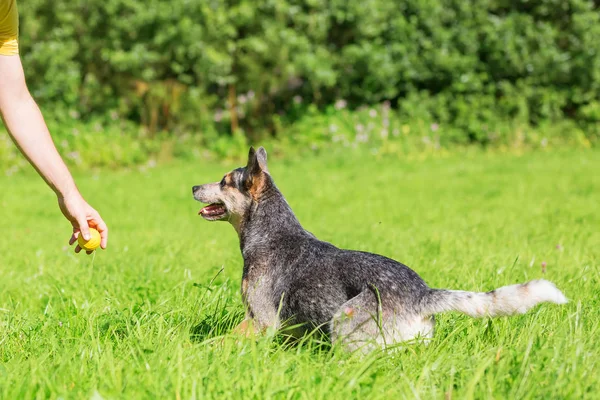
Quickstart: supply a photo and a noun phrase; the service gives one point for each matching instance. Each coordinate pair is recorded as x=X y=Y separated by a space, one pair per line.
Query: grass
x=145 y=318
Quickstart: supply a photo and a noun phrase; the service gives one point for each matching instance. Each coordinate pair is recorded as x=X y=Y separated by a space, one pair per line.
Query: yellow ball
x=92 y=244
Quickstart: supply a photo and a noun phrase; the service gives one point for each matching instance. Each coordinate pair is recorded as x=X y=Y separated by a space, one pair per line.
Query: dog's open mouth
x=213 y=212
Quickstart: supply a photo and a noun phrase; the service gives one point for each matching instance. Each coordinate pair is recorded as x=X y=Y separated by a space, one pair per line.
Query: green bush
x=206 y=68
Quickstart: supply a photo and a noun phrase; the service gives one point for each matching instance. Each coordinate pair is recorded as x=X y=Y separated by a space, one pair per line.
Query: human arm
x=28 y=130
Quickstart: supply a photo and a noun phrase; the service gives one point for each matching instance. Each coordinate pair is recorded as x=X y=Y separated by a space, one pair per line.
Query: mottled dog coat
x=360 y=299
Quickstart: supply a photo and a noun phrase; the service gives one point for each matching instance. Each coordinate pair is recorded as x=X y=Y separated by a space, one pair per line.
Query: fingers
x=103 y=229
x=83 y=227
x=83 y=218
x=78 y=250
x=97 y=222
x=73 y=237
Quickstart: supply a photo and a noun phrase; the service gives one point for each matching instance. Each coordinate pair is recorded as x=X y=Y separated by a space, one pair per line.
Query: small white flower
x=340 y=104
x=74 y=155
x=218 y=115
x=362 y=138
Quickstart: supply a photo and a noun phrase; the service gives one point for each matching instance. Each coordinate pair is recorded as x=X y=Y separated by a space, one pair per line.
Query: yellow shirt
x=9 y=28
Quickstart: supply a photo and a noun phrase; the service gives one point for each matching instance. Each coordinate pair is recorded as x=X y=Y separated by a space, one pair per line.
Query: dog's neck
x=269 y=218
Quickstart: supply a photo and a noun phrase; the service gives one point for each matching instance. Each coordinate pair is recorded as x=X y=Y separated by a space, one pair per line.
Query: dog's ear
x=257 y=164
x=257 y=161
x=261 y=157
x=251 y=155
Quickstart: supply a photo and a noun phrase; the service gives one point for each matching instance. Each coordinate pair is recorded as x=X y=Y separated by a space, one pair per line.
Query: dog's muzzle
x=215 y=210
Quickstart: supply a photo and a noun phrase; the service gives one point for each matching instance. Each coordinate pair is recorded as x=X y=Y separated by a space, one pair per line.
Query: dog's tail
x=507 y=300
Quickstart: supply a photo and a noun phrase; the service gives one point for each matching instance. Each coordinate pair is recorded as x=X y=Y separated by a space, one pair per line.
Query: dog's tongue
x=211 y=209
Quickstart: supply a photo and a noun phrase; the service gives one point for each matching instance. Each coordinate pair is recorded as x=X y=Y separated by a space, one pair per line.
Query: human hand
x=82 y=216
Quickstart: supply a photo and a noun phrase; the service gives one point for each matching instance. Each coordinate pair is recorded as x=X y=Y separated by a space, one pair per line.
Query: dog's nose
x=194 y=188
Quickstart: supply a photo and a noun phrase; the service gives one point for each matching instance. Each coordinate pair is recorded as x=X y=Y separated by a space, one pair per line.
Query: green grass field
x=145 y=318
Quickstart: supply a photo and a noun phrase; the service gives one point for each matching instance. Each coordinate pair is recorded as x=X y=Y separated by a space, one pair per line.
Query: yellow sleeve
x=9 y=28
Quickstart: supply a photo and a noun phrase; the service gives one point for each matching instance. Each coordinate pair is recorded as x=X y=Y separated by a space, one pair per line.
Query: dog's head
x=231 y=198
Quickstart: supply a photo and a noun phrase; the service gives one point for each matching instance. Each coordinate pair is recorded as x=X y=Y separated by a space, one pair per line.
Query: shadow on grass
x=219 y=323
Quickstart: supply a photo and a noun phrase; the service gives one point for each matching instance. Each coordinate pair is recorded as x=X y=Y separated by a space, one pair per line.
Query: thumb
x=84 y=228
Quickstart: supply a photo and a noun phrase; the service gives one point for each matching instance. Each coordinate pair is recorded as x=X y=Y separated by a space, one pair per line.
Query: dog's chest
x=257 y=294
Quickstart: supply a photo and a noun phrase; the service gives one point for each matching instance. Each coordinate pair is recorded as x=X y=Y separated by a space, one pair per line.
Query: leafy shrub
x=206 y=69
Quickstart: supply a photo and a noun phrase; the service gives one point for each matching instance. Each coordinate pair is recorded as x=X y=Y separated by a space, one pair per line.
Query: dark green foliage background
x=169 y=65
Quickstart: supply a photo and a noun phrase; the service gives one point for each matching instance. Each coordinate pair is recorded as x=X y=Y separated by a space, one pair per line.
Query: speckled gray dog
x=361 y=299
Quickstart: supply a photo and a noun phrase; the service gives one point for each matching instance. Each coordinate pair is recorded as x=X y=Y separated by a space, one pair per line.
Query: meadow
x=151 y=316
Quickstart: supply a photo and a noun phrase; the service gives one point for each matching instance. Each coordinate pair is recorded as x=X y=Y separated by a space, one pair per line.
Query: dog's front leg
x=246 y=328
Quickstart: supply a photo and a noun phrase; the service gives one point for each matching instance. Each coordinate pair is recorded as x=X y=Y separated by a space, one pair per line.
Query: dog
x=359 y=299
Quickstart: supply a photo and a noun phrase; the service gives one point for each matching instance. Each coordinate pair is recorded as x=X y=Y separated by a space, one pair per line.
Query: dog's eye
x=222 y=183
